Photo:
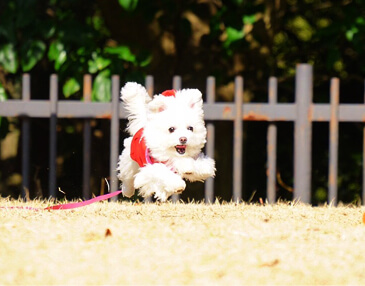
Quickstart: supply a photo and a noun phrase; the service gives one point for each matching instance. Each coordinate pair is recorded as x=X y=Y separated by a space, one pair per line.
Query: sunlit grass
x=135 y=243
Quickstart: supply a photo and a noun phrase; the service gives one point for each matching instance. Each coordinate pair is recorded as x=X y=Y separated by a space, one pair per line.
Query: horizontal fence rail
x=320 y=112
x=303 y=112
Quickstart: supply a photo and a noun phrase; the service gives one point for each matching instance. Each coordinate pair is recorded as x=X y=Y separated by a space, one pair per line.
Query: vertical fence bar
x=303 y=133
x=53 y=136
x=86 y=192
x=209 y=183
x=25 y=139
x=149 y=83
x=176 y=84
x=272 y=144
x=237 y=140
x=150 y=89
x=114 y=135
x=333 y=142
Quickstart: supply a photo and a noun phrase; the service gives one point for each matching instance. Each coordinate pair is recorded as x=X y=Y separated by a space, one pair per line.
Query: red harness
x=139 y=151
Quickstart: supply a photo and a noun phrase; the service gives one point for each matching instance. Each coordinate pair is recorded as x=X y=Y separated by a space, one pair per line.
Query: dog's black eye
x=171 y=129
x=190 y=128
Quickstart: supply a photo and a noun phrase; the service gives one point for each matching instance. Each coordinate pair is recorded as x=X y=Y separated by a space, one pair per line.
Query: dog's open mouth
x=180 y=149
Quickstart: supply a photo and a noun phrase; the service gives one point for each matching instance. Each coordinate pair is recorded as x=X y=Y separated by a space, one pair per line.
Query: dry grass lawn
x=182 y=244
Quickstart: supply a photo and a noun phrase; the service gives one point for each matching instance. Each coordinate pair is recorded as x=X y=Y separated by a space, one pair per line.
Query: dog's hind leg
x=127 y=169
x=128 y=188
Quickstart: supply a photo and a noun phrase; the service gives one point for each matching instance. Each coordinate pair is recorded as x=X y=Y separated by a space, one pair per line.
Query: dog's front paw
x=161 y=196
x=207 y=167
x=174 y=185
x=184 y=166
x=177 y=186
x=204 y=167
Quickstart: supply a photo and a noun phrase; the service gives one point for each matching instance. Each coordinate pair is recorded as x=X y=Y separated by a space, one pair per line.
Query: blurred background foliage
x=194 y=39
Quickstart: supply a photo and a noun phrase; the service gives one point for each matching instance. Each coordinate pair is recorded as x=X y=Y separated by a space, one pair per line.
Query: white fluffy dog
x=167 y=135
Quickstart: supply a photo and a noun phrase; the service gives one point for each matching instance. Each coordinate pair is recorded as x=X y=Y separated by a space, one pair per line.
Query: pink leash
x=71 y=205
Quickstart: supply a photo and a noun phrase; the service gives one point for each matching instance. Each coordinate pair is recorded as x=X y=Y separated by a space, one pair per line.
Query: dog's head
x=175 y=126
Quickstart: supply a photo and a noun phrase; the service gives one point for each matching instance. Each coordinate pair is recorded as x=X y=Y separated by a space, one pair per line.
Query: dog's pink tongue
x=180 y=149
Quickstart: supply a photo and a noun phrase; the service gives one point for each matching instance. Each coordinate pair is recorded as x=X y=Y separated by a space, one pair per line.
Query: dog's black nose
x=183 y=140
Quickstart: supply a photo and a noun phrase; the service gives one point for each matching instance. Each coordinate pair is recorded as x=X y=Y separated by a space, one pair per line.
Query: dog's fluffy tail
x=135 y=98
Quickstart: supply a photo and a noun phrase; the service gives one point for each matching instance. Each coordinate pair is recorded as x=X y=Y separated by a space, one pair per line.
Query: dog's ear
x=158 y=104
x=197 y=99
x=193 y=97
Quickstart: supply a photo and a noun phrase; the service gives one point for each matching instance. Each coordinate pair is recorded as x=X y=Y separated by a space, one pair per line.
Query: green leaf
x=249 y=19
x=351 y=33
x=301 y=28
x=146 y=61
x=123 y=52
x=33 y=52
x=233 y=35
x=102 y=63
x=60 y=60
x=70 y=87
x=48 y=30
x=128 y=5
x=57 y=53
x=4 y=123
x=98 y=63
x=3 y=95
x=93 y=68
x=8 y=58
x=102 y=87
x=360 y=21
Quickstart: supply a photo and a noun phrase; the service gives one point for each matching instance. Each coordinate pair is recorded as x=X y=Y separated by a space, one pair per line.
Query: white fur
x=157 y=116
x=135 y=97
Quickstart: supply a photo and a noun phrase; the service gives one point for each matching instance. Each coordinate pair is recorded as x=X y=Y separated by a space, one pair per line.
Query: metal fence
x=302 y=113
